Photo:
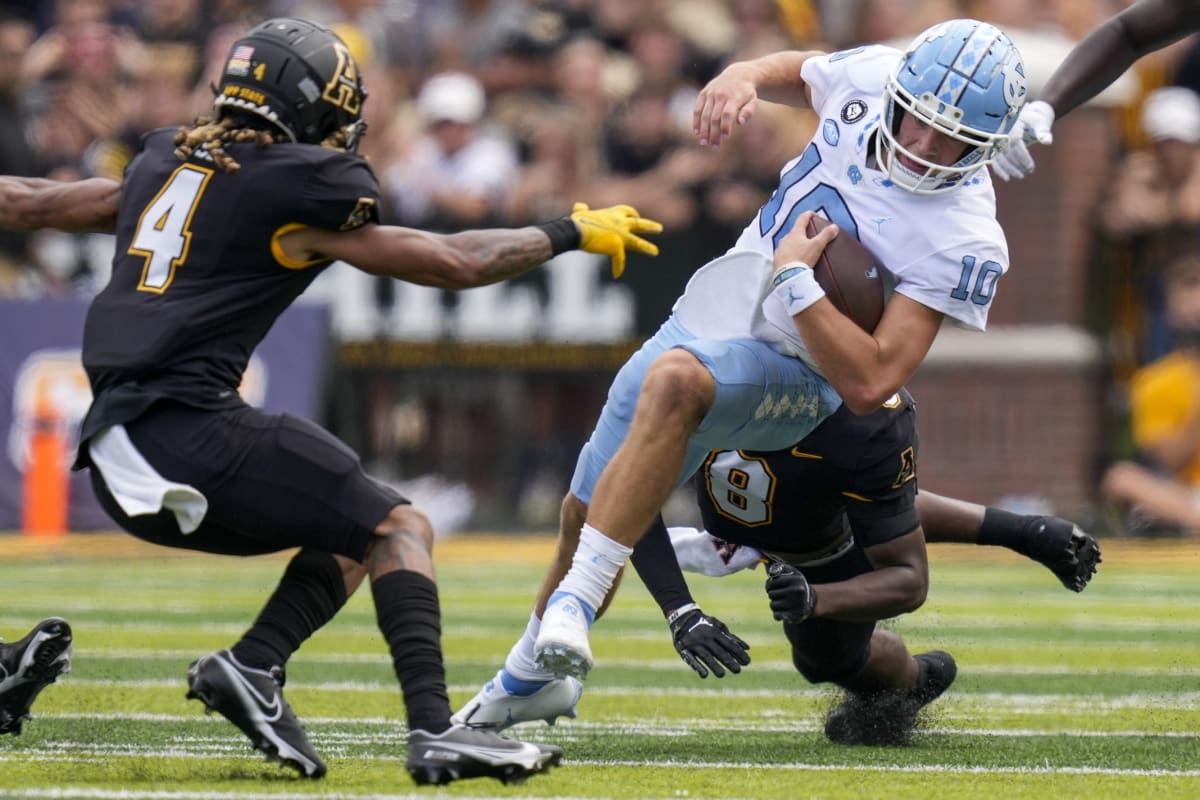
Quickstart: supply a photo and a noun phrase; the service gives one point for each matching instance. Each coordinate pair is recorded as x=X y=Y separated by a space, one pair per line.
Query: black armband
x=563 y=233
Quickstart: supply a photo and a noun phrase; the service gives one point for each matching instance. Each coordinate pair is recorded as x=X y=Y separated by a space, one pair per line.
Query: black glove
x=793 y=599
x=704 y=643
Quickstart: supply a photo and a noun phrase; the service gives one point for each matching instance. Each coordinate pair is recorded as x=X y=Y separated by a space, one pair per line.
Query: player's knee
x=678 y=381
x=408 y=525
x=838 y=666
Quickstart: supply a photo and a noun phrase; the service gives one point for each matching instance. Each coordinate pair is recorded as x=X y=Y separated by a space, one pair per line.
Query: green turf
x=1059 y=695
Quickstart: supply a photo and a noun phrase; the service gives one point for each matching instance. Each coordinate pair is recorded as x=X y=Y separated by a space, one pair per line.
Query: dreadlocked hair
x=213 y=136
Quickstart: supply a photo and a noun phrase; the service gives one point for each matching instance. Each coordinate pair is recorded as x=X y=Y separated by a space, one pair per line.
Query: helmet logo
x=1014 y=83
x=342 y=90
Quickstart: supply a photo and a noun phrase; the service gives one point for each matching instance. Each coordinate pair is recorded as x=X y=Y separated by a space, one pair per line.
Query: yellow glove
x=608 y=231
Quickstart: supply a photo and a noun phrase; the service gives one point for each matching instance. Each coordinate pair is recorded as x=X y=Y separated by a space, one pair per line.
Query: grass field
x=1059 y=695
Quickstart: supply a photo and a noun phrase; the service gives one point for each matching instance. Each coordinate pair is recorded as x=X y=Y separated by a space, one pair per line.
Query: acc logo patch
x=853 y=111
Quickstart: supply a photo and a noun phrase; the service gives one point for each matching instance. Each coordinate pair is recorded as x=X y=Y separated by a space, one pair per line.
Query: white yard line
x=394 y=727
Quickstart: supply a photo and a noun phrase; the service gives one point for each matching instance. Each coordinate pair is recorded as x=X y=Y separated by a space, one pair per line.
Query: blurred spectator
x=453 y=176
x=80 y=73
x=16 y=154
x=465 y=34
x=173 y=29
x=562 y=165
x=1165 y=396
x=1154 y=206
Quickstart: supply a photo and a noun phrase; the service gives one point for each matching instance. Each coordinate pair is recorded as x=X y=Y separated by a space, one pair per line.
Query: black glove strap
x=564 y=234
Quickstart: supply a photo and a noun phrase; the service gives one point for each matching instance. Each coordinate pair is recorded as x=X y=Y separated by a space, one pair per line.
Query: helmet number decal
x=163 y=234
x=342 y=90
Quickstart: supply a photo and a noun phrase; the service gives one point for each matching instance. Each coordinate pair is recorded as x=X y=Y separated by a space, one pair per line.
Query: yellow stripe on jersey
x=283 y=258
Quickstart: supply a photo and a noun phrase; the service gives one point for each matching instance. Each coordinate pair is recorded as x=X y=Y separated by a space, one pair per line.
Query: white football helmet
x=965 y=78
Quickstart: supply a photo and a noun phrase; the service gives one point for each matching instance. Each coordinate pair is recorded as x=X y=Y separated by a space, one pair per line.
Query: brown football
x=850 y=276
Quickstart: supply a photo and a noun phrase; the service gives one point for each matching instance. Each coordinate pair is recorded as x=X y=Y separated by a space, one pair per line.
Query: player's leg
x=1058 y=544
x=404 y=588
x=885 y=686
x=29 y=665
x=523 y=690
x=701 y=395
x=1159 y=497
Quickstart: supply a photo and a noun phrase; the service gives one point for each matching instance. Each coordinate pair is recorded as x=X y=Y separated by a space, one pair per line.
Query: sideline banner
x=42 y=384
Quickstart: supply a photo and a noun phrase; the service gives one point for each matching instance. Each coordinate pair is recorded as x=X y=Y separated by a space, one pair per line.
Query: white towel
x=700 y=551
x=137 y=486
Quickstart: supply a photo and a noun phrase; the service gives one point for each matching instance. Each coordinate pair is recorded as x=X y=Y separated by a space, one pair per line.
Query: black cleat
x=460 y=752
x=252 y=699
x=889 y=718
x=30 y=665
x=1065 y=549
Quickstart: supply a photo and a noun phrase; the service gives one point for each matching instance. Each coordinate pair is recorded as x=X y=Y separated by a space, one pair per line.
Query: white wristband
x=798 y=292
x=679 y=612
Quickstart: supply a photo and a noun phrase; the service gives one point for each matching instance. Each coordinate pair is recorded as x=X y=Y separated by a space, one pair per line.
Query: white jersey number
x=163 y=233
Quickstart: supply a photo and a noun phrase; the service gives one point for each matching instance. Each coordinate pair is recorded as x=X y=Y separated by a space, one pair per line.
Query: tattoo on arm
x=504 y=253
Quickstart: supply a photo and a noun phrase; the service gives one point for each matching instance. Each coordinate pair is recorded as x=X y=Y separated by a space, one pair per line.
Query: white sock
x=520 y=663
x=594 y=567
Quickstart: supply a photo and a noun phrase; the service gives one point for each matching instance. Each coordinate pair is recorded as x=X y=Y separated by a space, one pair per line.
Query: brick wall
x=1019 y=410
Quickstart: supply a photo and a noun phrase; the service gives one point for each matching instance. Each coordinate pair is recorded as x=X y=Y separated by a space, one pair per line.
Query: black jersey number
x=163 y=233
x=741 y=487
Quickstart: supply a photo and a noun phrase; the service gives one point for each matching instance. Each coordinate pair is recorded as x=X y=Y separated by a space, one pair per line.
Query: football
x=851 y=278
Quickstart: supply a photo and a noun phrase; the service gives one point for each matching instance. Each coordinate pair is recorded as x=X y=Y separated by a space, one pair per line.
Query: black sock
x=309 y=594
x=406 y=606
x=1006 y=529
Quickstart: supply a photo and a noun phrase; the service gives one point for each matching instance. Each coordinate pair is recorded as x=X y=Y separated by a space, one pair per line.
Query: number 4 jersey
x=199 y=275
x=945 y=251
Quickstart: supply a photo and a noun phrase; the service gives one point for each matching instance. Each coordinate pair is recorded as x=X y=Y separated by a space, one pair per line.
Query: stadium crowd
x=501 y=112
x=482 y=112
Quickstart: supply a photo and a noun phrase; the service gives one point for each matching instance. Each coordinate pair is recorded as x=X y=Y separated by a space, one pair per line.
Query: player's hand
x=608 y=231
x=799 y=246
x=704 y=643
x=728 y=98
x=793 y=598
x=1032 y=126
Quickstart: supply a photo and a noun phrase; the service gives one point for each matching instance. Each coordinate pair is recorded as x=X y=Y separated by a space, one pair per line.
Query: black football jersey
x=199 y=277
x=855 y=470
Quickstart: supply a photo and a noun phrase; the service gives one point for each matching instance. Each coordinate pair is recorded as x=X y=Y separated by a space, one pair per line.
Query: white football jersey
x=945 y=251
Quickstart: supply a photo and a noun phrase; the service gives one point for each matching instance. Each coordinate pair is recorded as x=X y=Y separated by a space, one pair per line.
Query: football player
x=1094 y=63
x=219 y=228
x=840 y=512
x=29 y=665
x=754 y=356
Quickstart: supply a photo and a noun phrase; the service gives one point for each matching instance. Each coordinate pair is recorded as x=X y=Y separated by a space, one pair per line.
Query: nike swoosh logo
x=272 y=709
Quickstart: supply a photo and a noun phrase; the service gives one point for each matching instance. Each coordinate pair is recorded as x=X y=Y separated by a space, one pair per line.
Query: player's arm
x=702 y=641
x=1113 y=46
x=475 y=257
x=732 y=96
x=897 y=585
x=864 y=368
x=1094 y=63
x=29 y=204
